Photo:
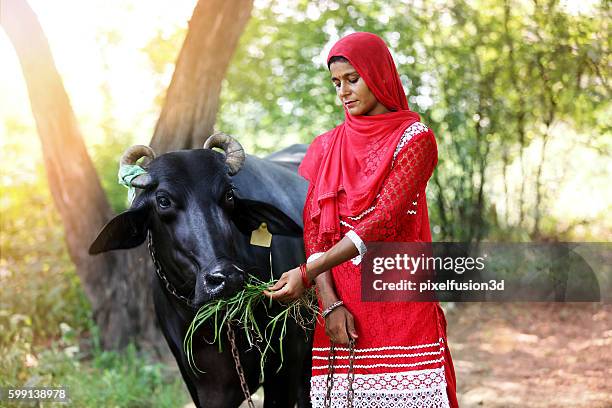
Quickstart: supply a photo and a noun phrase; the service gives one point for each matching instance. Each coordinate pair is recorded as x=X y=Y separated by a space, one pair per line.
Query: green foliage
x=162 y=51
x=278 y=83
x=116 y=379
x=106 y=155
x=489 y=77
x=47 y=336
x=106 y=160
x=241 y=310
x=39 y=289
x=109 y=379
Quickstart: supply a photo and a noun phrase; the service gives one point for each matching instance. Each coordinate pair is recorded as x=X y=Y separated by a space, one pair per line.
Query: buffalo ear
x=126 y=230
x=249 y=214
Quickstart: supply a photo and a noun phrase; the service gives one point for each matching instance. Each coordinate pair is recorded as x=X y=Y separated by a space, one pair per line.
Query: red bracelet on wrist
x=304 y=276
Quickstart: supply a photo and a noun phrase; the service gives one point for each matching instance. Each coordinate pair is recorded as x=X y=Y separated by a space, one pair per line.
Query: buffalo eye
x=163 y=202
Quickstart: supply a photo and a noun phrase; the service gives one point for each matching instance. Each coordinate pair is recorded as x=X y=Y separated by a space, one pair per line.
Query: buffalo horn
x=234 y=153
x=131 y=156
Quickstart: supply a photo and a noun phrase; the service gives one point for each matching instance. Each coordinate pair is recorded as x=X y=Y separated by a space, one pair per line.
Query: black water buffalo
x=200 y=207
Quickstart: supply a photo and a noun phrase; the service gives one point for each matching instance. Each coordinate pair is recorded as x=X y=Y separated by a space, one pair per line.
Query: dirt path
x=532 y=355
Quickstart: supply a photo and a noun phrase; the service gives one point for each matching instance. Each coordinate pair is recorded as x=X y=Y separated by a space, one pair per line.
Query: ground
x=531 y=354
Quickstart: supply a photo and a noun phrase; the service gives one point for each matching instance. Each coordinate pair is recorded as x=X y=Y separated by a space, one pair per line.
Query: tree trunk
x=121 y=304
x=192 y=100
x=536 y=233
x=117 y=283
x=522 y=147
x=520 y=120
x=506 y=164
x=550 y=105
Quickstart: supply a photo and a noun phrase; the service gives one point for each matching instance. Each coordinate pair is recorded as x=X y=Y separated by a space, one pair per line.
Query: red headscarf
x=348 y=165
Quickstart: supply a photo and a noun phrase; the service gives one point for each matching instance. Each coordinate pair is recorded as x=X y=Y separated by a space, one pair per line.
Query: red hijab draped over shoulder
x=348 y=165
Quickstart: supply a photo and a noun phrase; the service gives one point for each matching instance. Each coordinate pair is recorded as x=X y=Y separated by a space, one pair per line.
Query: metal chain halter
x=245 y=388
x=350 y=393
x=329 y=382
x=169 y=287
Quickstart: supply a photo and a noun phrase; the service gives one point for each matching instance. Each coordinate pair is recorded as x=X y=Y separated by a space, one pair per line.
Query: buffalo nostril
x=215 y=279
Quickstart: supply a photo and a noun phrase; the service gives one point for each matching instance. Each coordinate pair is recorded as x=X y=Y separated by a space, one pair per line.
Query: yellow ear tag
x=261 y=236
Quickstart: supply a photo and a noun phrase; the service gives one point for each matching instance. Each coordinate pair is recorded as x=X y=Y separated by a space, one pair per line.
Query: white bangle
x=331 y=308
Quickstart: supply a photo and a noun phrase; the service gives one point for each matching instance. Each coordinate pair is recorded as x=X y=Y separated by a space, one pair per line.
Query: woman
x=367 y=183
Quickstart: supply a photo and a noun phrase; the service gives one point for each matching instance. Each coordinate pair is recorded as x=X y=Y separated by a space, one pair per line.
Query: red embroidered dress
x=401 y=355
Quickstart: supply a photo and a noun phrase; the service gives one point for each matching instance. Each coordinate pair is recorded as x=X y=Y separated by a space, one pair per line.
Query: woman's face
x=353 y=91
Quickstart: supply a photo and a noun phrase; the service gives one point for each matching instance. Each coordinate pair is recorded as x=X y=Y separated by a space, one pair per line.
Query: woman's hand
x=289 y=287
x=339 y=324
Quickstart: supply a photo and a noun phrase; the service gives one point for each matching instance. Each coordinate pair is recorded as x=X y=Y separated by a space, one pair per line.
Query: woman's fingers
x=342 y=337
x=272 y=291
x=350 y=326
x=339 y=326
x=279 y=284
x=281 y=291
x=287 y=288
x=278 y=294
x=277 y=290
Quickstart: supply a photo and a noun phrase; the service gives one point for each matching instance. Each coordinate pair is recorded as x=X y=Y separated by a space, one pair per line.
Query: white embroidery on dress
x=434 y=397
x=346 y=224
x=412 y=212
x=411 y=389
x=427 y=353
x=366 y=212
x=365 y=350
x=412 y=130
x=381 y=365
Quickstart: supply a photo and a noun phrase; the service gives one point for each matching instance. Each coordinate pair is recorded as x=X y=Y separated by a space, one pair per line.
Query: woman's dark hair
x=337 y=58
